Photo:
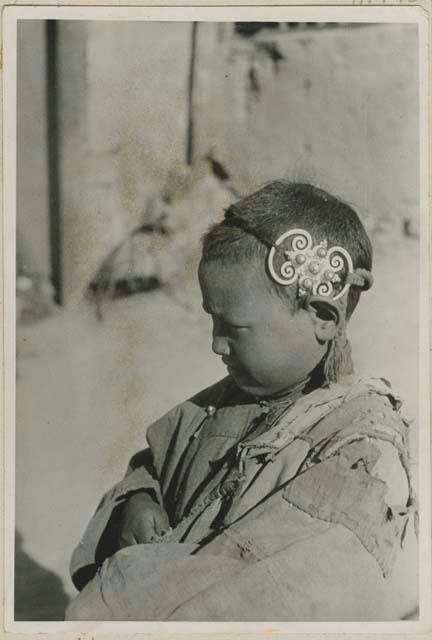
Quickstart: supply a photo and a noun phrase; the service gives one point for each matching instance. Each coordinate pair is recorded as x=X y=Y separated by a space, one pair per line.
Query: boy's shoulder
x=355 y=407
x=186 y=415
x=355 y=386
x=353 y=389
x=361 y=405
x=215 y=394
x=352 y=400
x=357 y=473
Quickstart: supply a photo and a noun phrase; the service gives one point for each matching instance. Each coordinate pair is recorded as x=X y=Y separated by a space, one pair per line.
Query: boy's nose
x=220 y=346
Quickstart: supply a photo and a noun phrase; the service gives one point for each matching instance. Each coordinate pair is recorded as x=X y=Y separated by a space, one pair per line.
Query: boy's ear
x=325 y=318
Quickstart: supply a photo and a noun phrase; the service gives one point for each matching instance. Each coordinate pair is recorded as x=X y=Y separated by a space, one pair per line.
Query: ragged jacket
x=297 y=509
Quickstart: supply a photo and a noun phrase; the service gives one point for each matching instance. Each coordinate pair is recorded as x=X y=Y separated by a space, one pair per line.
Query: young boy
x=282 y=492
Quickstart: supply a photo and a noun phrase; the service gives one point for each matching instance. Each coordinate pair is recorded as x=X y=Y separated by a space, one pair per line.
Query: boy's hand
x=141 y=519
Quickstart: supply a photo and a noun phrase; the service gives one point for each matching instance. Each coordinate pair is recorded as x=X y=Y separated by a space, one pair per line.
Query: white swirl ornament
x=337 y=263
x=323 y=289
x=302 y=240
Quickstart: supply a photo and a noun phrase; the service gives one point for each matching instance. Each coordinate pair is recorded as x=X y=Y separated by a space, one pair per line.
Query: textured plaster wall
x=132 y=126
x=338 y=107
x=32 y=158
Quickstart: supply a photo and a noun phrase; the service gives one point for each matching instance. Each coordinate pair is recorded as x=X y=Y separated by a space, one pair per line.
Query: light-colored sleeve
x=388 y=468
x=325 y=548
x=100 y=537
x=148 y=470
x=326 y=576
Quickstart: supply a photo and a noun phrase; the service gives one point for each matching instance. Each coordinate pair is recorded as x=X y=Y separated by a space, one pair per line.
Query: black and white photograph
x=218 y=404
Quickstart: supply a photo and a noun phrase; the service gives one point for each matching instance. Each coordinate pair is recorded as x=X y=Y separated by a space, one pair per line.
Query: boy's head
x=242 y=267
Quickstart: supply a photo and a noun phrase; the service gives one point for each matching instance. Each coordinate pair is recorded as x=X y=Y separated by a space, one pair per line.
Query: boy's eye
x=235 y=327
x=222 y=326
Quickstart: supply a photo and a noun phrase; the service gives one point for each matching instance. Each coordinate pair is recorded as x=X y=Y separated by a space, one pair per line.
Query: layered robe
x=297 y=508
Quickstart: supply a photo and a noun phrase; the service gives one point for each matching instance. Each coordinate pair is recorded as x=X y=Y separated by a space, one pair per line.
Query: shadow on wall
x=39 y=593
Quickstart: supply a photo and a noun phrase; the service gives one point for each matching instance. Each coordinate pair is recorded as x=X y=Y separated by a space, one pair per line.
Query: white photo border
x=402 y=13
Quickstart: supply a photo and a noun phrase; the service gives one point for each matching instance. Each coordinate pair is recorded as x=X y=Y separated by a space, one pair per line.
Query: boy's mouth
x=232 y=368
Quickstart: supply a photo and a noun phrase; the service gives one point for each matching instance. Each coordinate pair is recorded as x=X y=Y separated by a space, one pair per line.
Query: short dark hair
x=279 y=206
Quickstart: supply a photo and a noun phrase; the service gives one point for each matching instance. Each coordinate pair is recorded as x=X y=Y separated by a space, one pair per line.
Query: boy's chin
x=259 y=390
x=252 y=387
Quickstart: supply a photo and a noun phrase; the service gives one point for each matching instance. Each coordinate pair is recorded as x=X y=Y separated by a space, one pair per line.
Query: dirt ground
x=87 y=390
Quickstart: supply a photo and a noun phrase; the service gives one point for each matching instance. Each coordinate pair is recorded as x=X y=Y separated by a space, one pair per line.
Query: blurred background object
x=132 y=138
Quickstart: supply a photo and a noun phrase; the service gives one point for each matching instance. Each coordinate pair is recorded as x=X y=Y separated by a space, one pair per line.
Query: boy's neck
x=286 y=394
x=311 y=382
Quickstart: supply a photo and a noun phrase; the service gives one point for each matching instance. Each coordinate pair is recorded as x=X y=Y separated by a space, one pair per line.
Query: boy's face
x=267 y=348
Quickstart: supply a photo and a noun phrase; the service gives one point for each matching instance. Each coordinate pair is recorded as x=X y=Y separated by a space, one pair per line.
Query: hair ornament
x=317 y=269
x=360 y=278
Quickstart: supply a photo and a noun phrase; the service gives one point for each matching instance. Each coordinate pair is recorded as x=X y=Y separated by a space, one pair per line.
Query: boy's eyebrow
x=232 y=321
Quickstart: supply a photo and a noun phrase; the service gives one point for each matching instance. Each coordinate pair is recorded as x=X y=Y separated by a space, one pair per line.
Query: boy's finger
x=144 y=531
x=126 y=540
x=161 y=523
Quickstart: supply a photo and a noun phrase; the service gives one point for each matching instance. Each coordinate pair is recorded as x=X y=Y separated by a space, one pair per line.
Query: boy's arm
x=100 y=538
x=338 y=544
x=148 y=471
x=328 y=576
x=353 y=559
